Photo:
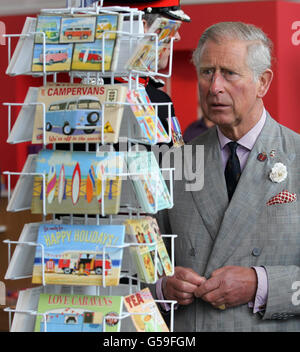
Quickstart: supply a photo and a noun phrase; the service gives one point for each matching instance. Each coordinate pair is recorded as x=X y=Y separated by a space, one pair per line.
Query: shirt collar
x=249 y=139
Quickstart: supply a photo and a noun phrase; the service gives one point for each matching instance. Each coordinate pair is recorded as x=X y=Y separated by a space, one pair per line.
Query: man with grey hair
x=238 y=247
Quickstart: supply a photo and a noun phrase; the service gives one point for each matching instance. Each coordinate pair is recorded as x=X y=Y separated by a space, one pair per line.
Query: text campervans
x=66 y=91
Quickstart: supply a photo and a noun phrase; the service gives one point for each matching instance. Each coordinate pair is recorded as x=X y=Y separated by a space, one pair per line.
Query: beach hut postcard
x=57 y=57
x=50 y=25
x=77 y=182
x=77 y=29
x=90 y=56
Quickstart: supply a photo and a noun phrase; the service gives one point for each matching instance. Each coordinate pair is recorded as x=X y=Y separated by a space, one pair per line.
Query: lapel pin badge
x=272 y=153
x=262 y=156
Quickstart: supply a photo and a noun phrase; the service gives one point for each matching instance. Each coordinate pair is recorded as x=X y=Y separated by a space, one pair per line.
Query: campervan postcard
x=93 y=56
x=50 y=26
x=78 y=313
x=107 y=22
x=79 y=254
x=76 y=113
x=57 y=57
x=77 y=29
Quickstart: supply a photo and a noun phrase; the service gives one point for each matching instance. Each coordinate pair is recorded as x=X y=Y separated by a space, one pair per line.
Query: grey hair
x=259 y=49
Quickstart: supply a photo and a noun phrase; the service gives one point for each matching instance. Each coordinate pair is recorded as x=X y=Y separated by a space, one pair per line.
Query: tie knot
x=232 y=146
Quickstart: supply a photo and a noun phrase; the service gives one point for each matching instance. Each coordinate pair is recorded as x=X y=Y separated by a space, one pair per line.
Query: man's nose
x=217 y=83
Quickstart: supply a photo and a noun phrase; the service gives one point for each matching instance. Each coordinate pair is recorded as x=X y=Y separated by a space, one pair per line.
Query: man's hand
x=181 y=286
x=230 y=285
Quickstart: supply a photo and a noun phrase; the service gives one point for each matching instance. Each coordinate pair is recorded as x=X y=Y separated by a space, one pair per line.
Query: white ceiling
x=13 y=7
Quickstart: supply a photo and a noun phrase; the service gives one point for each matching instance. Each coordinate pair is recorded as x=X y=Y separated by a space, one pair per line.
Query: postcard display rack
x=24 y=315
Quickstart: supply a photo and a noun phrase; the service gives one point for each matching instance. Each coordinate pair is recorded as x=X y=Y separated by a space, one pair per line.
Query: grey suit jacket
x=213 y=233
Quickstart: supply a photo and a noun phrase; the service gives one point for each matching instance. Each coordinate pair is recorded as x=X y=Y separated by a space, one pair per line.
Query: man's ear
x=265 y=80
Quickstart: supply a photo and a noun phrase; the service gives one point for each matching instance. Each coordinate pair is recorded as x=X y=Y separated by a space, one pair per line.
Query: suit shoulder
x=287 y=132
x=204 y=137
x=290 y=140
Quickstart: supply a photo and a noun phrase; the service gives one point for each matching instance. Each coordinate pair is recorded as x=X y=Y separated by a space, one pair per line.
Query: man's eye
x=230 y=75
x=206 y=72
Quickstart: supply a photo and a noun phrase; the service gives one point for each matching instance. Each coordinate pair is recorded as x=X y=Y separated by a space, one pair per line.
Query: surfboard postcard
x=78 y=182
x=76 y=113
x=78 y=313
x=79 y=254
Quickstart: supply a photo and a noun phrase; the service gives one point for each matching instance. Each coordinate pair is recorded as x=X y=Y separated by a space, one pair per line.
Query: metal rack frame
x=105 y=177
x=133 y=74
x=103 y=72
x=102 y=142
x=120 y=247
x=124 y=315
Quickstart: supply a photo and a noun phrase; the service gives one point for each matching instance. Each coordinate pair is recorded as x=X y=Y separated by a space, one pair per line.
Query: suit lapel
x=212 y=201
x=251 y=195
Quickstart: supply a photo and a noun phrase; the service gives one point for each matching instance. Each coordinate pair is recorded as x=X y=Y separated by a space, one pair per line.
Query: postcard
x=74 y=113
x=105 y=23
x=79 y=254
x=90 y=56
x=50 y=25
x=76 y=182
x=77 y=29
x=57 y=57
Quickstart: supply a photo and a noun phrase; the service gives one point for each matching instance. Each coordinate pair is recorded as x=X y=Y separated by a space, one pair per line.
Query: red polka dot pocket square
x=283 y=197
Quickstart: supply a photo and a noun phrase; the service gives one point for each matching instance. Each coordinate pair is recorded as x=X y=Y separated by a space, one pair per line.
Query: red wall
x=288 y=61
x=274 y=17
x=12 y=90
